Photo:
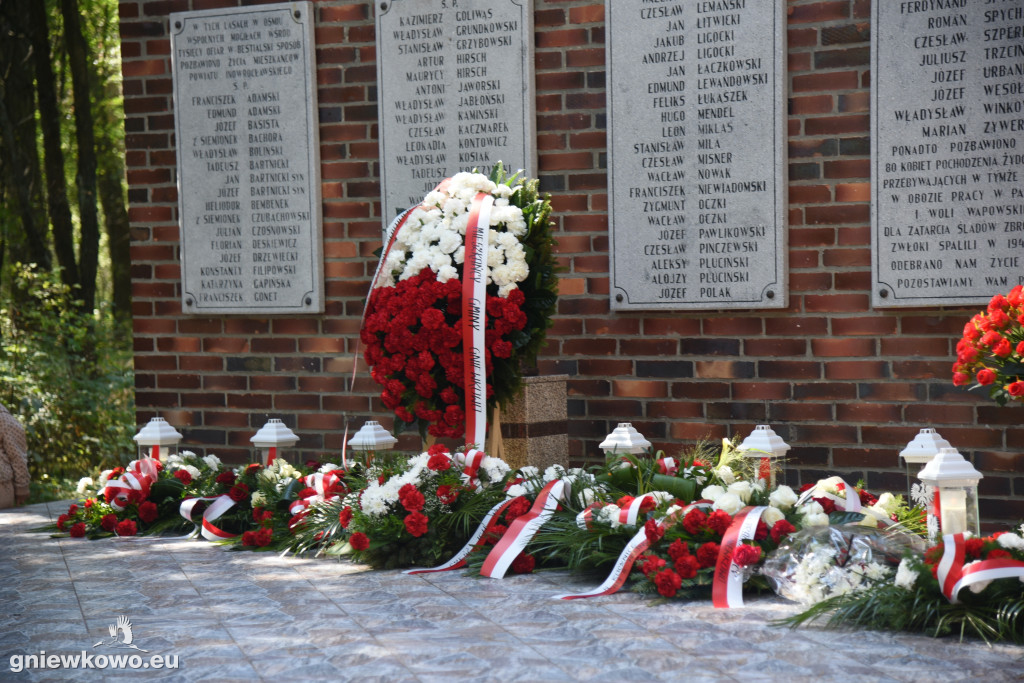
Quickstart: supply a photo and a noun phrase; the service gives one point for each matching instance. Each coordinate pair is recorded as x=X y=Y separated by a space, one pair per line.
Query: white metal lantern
x=919 y=453
x=768 y=449
x=270 y=437
x=953 y=484
x=624 y=439
x=371 y=438
x=157 y=439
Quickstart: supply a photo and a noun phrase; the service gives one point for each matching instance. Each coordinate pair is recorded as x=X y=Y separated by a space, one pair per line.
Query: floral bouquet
x=974 y=588
x=991 y=351
x=820 y=562
x=416 y=513
x=413 y=328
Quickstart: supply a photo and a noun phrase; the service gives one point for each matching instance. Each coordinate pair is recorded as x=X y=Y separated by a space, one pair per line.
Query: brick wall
x=847 y=386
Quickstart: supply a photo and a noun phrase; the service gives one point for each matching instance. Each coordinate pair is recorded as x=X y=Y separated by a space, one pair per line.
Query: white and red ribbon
x=474 y=317
x=470 y=461
x=667 y=466
x=849 y=502
x=519 y=533
x=459 y=559
x=727 y=587
x=627 y=558
x=328 y=487
x=139 y=476
x=953 y=576
x=206 y=526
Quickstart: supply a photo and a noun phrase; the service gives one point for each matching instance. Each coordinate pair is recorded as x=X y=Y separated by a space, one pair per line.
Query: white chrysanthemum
x=372 y=503
x=259 y=499
x=743 y=489
x=726 y=474
x=729 y=502
x=212 y=461
x=84 y=484
x=494 y=468
x=609 y=514
x=515 y=491
x=553 y=472
x=905 y=576
x=771 y=515
x=712 y=493
x=1011 y=541
x=875 y=571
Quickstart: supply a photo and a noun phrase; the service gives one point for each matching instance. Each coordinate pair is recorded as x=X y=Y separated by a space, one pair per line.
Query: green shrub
x=67 y=375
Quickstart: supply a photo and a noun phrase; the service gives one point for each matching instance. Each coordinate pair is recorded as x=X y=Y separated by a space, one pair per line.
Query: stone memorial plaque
x=246 y=120
x=455 y=92
x=697 y=154
x=947 y=151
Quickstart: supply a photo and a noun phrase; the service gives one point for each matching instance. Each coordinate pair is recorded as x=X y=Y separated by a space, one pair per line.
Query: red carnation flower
x=252 y=468
x=411 y=498
x=238 y=493
x=226 y=479
x=148 y=511
x=694 y=521
x=746 y=555
x=654 y=531
x=687 y=566
x=108 y=522
x=307 y=492
x=359 y=541
x=781 y=529
x=249 y=538
x=183 y=476
x=668 y=582
x=651 y=565
x=678 y=549
x=997 y=554
x=625 y=502
x=61 y=521
x=517 y=508
x=345 y=517
x=719 y=521
x=761 y=532
x=78 y=530
x=707 y=555
x=972 y=548
x=416 y=523
x=439 y=462
x=263 y=537
x=523 y=564
x=126 y=528
x=447 y=494
x=72 y=510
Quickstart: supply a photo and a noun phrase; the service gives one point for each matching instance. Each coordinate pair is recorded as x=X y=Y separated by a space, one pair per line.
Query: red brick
x=856 y=370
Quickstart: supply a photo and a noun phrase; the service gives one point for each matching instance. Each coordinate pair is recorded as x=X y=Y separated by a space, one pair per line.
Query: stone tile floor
x=240 y=616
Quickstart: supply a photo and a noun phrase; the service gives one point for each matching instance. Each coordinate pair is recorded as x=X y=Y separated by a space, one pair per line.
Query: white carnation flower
x=661 y=496
x=609 y=514
x=587 y=496
x=212 y=461
x=193 y=471
x=328 y=467
x=729 y=502
x=783 y=498
x=672 y=509
x=553 y=472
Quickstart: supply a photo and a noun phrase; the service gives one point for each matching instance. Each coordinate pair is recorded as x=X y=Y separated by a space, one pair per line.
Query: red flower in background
x=108 y=522
x=687 y=566
x=416 y=524
x=411 y=498
x=516 y=509
x=447 y=494
x=523 y=564
x=226 y=479
x=238 y=493
x=183 y=476
x=668 y=582
x=345 y=517
x=77 y=530
x=719 y=521
x=707 y=555
x=781 y=529
x=359 y=541
x=126 y=528
x=148 y=511
x=746 y=555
